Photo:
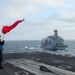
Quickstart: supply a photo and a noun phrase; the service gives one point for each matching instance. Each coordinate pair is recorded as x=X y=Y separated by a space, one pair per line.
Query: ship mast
x=56 y=33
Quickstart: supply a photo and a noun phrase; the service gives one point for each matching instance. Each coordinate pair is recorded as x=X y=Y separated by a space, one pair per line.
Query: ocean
x=34 y=46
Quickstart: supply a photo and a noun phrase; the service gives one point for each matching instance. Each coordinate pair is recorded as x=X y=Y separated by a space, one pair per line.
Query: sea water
x=21 y=46
x=34 y=46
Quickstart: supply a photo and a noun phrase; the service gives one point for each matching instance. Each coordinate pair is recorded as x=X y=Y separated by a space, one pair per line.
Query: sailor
x=1 y=54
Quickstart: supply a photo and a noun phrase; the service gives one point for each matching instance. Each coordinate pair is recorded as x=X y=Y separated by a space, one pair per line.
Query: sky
x=42 y=17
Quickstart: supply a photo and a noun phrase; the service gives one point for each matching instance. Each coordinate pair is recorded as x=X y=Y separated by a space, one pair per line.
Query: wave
x=37 y=48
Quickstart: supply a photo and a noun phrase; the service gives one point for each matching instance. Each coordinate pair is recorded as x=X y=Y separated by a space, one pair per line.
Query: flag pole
x=2 y=36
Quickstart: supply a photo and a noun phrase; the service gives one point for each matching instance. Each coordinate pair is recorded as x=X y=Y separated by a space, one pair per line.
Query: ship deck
x=14 y=63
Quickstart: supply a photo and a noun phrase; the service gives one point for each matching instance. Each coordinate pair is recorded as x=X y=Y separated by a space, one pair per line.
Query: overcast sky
x=42 y=17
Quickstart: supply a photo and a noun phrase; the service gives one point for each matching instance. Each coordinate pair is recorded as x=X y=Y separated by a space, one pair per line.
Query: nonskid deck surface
x=10 y=69
x=24 y=67
x=34 y=67
x=66 y=63
x=28 y=66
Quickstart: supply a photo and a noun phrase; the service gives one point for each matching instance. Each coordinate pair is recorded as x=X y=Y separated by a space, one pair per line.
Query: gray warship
x=54 y=42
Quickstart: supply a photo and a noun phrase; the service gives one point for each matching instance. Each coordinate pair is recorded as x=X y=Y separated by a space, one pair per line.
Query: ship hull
x=62 y=47
x=50 y=47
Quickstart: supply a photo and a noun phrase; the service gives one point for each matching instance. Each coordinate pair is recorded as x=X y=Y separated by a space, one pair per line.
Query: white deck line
x=33 y=67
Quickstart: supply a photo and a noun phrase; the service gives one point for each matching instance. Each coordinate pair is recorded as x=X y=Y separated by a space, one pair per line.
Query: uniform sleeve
x=2 y=42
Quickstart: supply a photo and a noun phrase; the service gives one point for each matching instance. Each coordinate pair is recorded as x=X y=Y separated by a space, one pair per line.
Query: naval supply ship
x=54 y=42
